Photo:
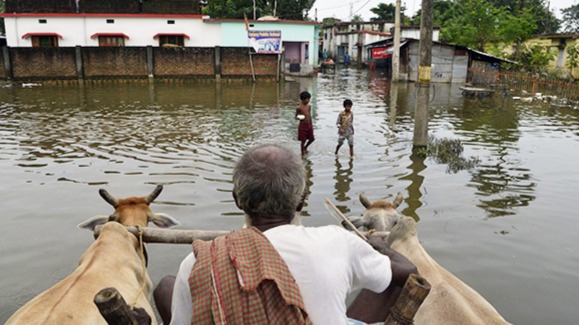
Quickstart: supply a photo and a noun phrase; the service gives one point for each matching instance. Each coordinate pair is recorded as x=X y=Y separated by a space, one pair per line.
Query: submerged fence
x=518 y=83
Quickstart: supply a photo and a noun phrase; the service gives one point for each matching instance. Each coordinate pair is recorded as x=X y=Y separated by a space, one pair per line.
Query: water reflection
x=58 y=145
x=308 y=166
x=502 y=182
x=343 y=178
x=413 y=200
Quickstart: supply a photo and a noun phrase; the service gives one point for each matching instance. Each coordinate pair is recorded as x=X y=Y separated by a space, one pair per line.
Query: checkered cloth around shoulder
x=241 y=279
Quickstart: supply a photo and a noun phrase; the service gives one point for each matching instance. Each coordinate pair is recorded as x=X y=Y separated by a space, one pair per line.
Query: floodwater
x=507 y=227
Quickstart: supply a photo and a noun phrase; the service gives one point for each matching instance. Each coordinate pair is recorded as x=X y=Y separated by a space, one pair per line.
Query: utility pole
x=351 y=10
x=424 y=72
x=253 y=9
x=396 y=49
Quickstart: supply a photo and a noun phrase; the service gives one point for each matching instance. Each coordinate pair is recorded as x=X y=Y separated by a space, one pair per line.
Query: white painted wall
x=415 y=33
x=77 y=30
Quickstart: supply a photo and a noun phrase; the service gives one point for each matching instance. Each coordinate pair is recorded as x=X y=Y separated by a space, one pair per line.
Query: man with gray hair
x=327 y=263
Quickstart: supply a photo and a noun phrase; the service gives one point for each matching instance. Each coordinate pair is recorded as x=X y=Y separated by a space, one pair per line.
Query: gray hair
x=269 y=180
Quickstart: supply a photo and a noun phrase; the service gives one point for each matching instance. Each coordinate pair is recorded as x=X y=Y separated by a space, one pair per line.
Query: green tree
x=443 y=11
x=384 y=11
x=475 y=25
x=229 y=9
x=330 y=21
x=357 y=19
x=284 y=9
x=534 y=57
x=572 y=56
x=545 y=20
x=292 y=9
x=2 y=10
x=571 y=19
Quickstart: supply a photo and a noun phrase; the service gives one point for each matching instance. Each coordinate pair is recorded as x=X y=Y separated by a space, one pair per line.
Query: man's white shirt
x=327 y=262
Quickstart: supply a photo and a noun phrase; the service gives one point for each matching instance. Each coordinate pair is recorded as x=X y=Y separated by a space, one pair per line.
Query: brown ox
x=115 y=259
x=380 y=215
x=450 y=300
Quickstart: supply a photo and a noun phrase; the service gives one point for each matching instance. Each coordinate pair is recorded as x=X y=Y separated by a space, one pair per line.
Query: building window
x=42 y=21
x=171 y=40
x=111 y=41
x=171 y=22
x=110 y=21
x=44 y=41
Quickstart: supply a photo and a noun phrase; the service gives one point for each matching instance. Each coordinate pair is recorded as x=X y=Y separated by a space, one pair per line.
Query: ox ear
x=163 y=220
x=364 y=199
x=397 y=200
x=91 y=223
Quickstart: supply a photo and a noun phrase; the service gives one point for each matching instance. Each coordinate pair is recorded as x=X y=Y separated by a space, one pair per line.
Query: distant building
x=141 y=23
x=450 y=62
x=299 y=40
x=351 y=37
x=558 y=45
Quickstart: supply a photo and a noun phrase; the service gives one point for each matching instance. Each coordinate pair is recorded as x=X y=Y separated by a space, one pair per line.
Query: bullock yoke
x=434 y=297
x=115 y=252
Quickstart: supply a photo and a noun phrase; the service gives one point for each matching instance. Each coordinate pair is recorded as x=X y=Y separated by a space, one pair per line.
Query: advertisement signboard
x=265 y=41
x=381 y=53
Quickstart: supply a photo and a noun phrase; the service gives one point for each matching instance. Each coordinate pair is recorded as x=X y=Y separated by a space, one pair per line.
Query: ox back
x=113 y=260
x=450 y=300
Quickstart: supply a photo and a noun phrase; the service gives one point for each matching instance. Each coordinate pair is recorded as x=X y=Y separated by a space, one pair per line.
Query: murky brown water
x=507 y=228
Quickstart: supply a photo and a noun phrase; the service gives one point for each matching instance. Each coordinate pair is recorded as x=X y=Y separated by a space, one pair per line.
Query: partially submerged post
x=424 y=73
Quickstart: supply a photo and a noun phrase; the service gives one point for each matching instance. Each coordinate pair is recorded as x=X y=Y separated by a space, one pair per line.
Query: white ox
x=450 y=300
x=115 y=259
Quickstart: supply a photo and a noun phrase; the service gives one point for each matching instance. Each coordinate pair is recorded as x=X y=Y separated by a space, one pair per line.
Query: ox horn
x=364 y=199
x=109 y=198
x=154 y=194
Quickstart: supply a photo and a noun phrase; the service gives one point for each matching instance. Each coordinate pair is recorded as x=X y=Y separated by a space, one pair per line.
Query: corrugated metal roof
x=389 y=41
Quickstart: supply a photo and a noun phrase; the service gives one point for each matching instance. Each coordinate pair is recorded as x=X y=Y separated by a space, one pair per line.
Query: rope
x=144 y=273
x=327 y=203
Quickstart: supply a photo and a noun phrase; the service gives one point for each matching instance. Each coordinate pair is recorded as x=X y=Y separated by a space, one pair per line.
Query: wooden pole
x=182 y=236
x=113 y=307
x=409 y=301
x=251 y=64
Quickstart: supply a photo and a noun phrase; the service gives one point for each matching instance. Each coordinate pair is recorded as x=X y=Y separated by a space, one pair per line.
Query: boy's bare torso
x=304 y=110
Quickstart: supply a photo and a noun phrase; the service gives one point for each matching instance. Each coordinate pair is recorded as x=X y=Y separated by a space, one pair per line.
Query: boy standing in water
x=345 y=126
x=305 y=128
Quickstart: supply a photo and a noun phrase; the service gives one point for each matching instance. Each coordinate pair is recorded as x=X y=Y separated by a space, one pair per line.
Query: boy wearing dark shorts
x=305 y=128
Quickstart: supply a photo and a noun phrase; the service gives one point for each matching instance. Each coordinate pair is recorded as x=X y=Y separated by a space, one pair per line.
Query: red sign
x=380 y=53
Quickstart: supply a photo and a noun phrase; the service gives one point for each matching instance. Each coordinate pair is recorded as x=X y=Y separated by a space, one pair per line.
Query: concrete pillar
x=79 y=62
x=217 y=62
x=7 y=63
x=150 y=66
x=424 y=73
x=421 y=115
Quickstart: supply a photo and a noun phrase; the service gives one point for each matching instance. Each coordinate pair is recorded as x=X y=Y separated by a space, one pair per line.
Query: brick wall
x=184 y=61
x=265 y=64
x=132 y=62
x=2 y=70
x=36 y=6
x=43 y=63
x=235 y=62
x=115 y=62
